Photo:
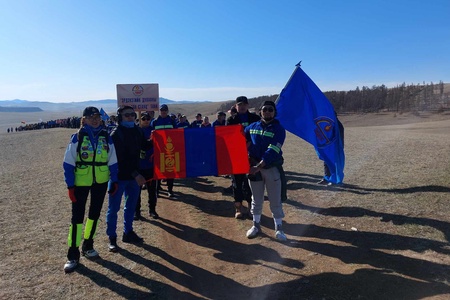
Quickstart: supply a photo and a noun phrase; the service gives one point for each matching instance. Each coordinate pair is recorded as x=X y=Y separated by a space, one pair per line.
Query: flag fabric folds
x=305 y=111
x=193 y=152
x=103 y=114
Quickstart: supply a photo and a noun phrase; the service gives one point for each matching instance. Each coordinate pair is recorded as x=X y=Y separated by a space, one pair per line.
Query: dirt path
x=384 y=235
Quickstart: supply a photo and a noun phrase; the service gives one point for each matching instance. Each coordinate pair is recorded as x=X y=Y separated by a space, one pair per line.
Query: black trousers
x=150 y=184
x=98 y=192
x=241 y=188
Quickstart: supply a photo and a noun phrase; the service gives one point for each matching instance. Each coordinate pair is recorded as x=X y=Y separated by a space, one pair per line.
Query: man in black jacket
x=129 y=141
x=241 y=188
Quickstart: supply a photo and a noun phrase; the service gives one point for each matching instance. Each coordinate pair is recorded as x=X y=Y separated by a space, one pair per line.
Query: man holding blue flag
x=306 y=112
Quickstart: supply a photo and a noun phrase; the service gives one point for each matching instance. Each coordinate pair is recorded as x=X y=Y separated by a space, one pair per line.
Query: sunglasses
x=267 y=109
x=145 y=119
x=127 y=115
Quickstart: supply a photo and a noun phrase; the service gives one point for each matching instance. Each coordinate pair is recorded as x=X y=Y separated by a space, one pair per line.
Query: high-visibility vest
x=92 y=164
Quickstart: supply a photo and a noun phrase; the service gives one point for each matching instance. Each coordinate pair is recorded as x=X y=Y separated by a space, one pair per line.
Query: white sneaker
x=91 y=254
x=252 y=232
x=70 y=266
x=279 y=235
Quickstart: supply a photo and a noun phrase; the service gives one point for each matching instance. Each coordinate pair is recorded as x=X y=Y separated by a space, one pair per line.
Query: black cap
x=242 y=99
x=269 y=103
x=90 y=111
x=199 y=115
x=145 y=114
x=221 y=113
x=163 y=107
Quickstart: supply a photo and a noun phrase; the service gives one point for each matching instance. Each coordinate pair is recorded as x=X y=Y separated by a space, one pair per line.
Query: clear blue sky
x=64 y=51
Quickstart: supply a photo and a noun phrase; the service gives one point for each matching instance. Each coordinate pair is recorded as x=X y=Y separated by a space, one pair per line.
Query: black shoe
x=323 y=181
x=171 y=195
x=137 y=217
x=154 y=215
x=113 y=245
x=132 y=238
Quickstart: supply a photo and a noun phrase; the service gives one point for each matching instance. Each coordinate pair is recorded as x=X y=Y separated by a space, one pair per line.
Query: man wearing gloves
x=264 y=140
x=89 y=162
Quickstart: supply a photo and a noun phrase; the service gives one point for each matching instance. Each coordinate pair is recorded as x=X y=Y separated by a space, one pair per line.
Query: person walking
x=89 y=162
x=206 y=122
x=128 y=141
x=265 y=139
x=165 y=122
x=197 y=123
x=146 y=169
x=220 y=120
x=241 y=188
x=326 y=170
x=183 y=123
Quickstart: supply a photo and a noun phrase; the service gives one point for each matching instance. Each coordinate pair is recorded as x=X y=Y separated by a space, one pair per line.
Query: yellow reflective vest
x=92 y=164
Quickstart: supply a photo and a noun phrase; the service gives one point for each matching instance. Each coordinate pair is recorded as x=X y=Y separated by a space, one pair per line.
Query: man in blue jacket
x=265 y=139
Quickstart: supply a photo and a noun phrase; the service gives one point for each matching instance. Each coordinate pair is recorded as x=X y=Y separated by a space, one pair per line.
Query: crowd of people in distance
x=75 y=122
x=116 y=158
x=71 y=122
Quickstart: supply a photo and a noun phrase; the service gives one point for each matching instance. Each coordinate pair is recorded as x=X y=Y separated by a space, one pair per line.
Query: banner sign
x=142 y=97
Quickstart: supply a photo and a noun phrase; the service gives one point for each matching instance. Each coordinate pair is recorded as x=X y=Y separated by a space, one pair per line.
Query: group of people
x=118 y=161
x=40 y=125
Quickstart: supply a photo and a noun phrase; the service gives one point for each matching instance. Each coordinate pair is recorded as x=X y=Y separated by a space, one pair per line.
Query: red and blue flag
x=193 y=152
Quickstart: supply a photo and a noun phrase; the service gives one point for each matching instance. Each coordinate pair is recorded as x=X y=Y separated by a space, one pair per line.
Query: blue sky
x=65 y=51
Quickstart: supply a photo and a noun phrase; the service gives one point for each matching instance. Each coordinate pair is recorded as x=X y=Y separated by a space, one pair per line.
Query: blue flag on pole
x=103 y=114
x=305 y=111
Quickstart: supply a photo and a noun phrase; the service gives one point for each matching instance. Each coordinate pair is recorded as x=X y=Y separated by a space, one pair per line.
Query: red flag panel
x=169 y=153
x=231 y=150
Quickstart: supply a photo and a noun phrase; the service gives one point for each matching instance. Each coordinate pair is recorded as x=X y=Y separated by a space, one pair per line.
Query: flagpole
x=292 y=75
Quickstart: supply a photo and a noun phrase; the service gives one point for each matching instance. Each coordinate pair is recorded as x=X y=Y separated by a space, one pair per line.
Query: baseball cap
x=268 y=103
x=163 y=107
x=145 y=115
x=242 y=99
x=221 y=113
x=90 y=111
x=199 y=115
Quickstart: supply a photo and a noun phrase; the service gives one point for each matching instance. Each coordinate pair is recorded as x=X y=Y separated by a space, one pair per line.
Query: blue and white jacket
x=265 y=141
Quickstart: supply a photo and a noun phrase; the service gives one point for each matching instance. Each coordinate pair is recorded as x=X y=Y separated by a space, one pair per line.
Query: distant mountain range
x=18 y=105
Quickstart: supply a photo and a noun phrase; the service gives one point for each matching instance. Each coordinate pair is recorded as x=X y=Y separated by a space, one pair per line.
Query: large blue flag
x=305 y=111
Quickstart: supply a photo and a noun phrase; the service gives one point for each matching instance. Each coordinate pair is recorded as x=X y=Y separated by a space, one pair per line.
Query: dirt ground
x=383 y=235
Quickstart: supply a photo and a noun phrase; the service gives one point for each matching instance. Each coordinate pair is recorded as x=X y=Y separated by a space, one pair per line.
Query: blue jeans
x=130 y=189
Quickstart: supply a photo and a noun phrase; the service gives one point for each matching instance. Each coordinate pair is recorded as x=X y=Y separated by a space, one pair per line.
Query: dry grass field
x=383 y=235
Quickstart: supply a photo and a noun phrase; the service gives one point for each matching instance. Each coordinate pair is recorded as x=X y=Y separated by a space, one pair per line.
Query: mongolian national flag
x=193 y=152
x=103 y=114
x=305 y=111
